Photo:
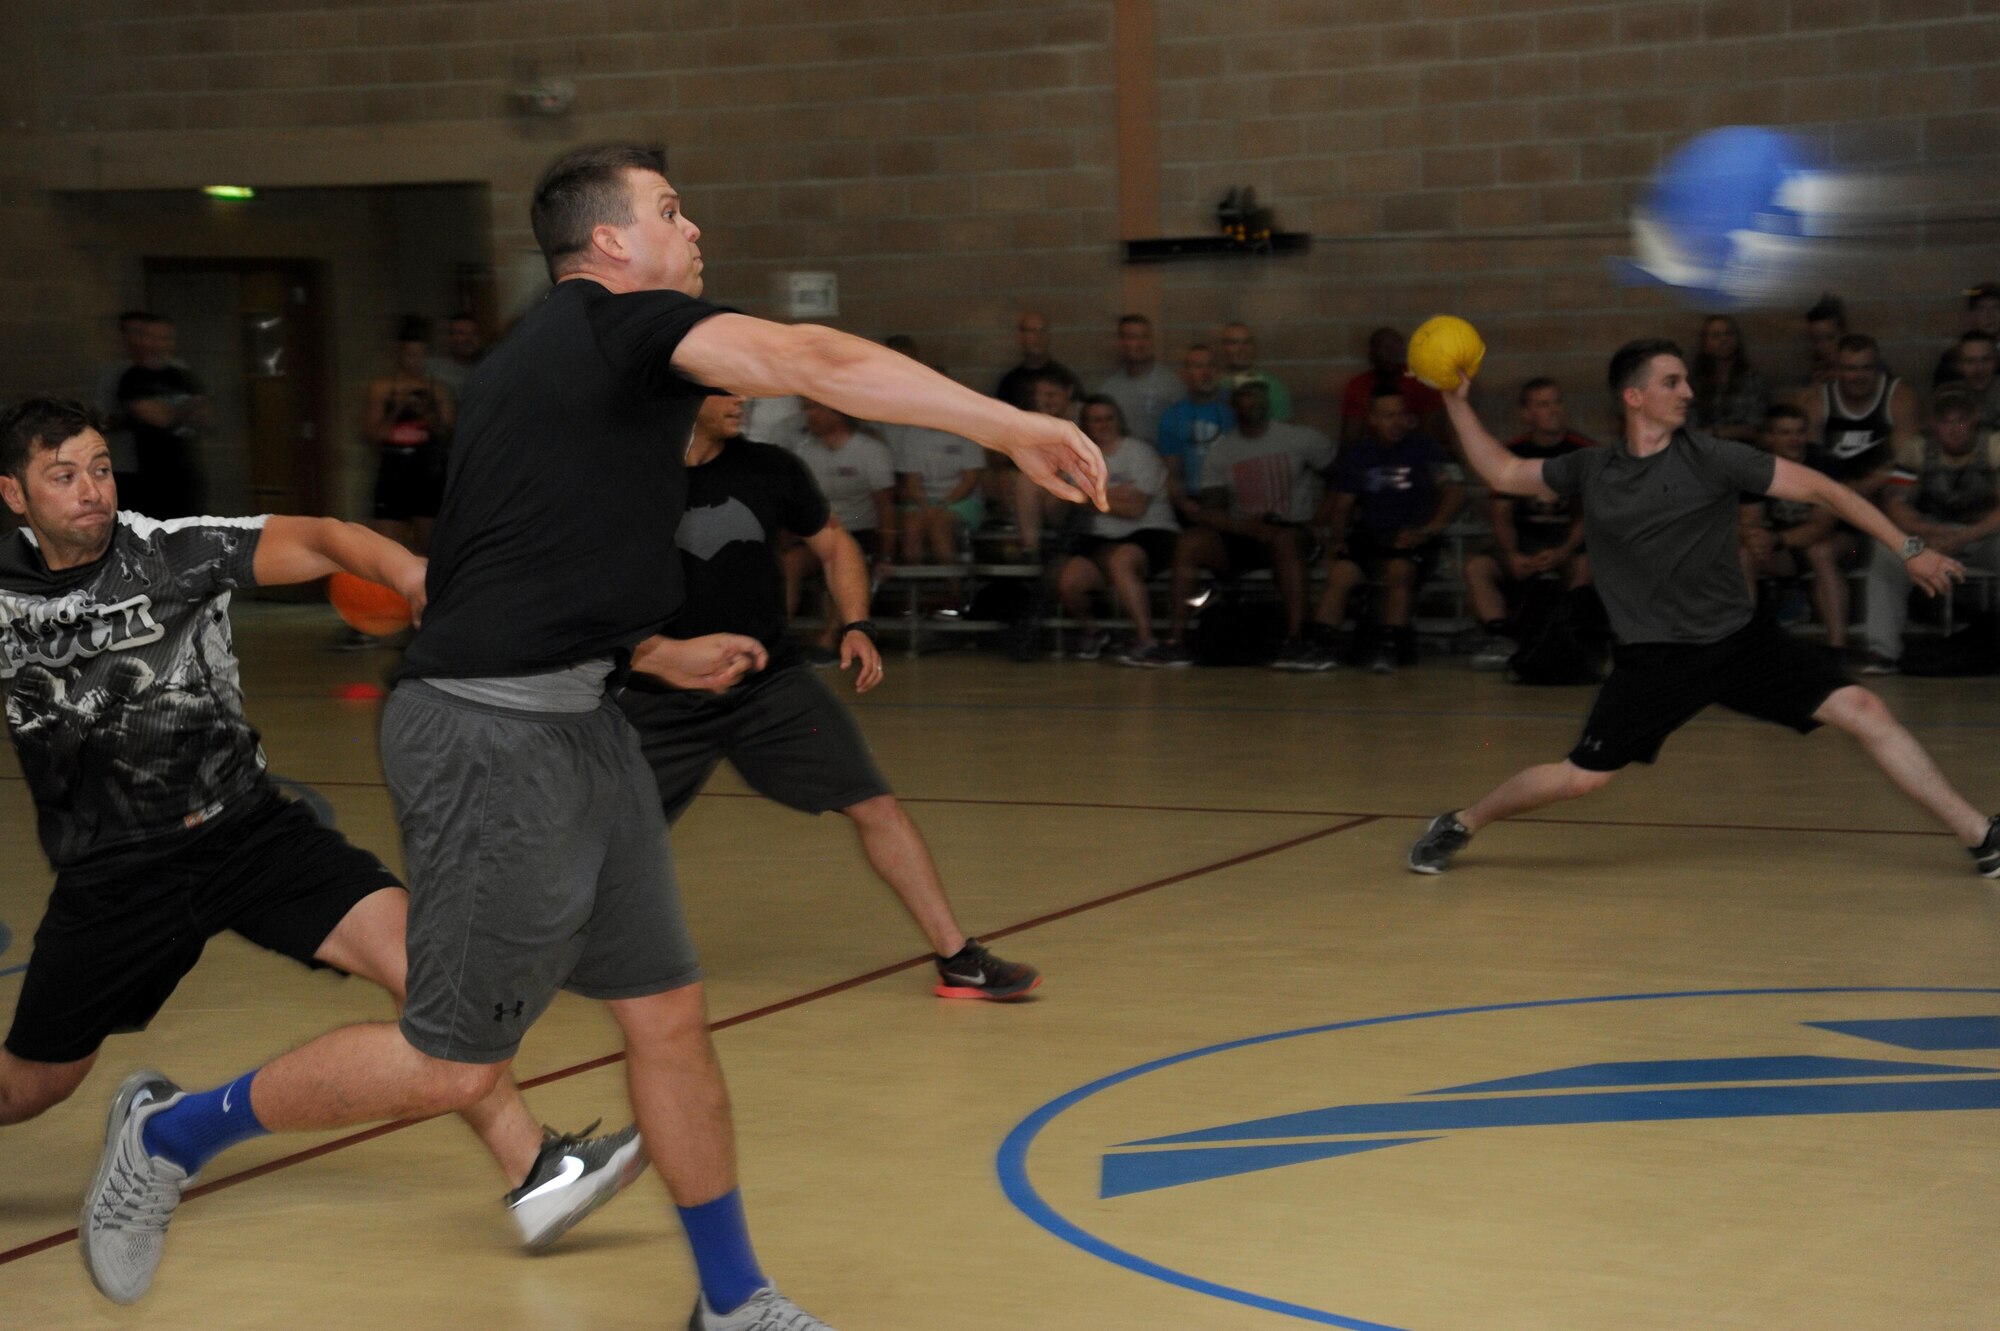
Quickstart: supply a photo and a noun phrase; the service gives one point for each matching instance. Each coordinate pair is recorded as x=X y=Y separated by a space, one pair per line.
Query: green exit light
x=229 y=191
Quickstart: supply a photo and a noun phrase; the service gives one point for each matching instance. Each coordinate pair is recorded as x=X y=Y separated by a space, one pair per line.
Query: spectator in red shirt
x=1388 y=372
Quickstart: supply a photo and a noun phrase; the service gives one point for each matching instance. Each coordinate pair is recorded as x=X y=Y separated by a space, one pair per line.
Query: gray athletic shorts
x=536 y=859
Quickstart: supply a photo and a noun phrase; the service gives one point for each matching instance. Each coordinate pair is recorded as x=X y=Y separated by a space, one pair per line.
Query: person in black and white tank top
x=1860 y=417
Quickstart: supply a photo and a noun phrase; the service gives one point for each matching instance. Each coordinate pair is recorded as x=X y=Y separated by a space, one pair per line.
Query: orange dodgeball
x=368 y=607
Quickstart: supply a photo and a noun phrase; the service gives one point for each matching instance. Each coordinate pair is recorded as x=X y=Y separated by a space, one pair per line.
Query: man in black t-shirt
x=1532 y=538
x=166 y=406
x=781 y=729
x=150 y=787
x=1660 y=517
x=532 y=830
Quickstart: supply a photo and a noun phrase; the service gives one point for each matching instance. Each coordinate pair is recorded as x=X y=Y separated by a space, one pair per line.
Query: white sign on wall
x=809 y=295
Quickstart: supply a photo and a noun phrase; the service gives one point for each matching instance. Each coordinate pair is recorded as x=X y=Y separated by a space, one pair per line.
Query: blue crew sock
x=203 y=1125
x=721 y=1242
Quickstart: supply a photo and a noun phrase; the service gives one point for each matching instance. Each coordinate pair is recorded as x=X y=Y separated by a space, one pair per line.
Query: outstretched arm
x=1932 y=571
x=1501 y=470
x=762 y=359
x=301 y=549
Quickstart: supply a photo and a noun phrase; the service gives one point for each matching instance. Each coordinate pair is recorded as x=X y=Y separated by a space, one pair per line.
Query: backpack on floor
x=1552 y=649
x=1973 y=648
x=1232 y=631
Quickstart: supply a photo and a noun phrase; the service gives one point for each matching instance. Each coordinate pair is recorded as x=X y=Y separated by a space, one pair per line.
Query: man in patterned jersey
x=150 y=788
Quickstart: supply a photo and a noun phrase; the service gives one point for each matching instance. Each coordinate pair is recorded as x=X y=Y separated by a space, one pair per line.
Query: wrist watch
x=865 y=627
x=1912 y=547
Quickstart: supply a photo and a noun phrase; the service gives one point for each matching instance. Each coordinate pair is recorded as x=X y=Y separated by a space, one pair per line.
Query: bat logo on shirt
x=704 y=531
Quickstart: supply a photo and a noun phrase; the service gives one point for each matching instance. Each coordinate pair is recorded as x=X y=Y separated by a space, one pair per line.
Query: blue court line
x=1012 y=1160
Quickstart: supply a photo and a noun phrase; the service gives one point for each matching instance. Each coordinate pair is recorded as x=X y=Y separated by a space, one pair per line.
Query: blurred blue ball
x=1737 y=217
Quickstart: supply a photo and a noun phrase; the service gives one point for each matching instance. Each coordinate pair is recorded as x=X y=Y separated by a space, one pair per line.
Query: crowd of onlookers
x=1211 y=480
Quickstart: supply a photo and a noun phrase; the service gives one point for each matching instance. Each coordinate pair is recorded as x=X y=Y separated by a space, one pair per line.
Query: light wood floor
x=1193 y=858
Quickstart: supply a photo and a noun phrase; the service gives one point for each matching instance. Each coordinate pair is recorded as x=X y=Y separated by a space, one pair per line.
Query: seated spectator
x=1239 y=367
x=1729 y=396
x=780 y=421
x=1030 y=503
x=1017 y=387
x=1124 y=546
x=1141 y=386
x=1861 y=418
x=1976 y=369
x=1395 y=490
x=1945 y=491
x=1982 y=304
x=1260 y=488
x=857 y=474
x=1826 y=324
x=1191 y=425
x=1532 y=538
x=1387 y=369
x=464 y=348
x=1785 y=539
x=939 y=478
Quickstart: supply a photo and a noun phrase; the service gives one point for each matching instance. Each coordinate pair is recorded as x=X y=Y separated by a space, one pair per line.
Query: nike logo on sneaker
x=225 y=1098
x=964 y=977
x=572 y=1170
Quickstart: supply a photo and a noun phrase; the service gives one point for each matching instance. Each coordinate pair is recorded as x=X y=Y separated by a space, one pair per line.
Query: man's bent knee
x=1854 y=708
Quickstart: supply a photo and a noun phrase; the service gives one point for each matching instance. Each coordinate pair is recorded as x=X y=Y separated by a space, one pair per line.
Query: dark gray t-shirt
x=1661 y=532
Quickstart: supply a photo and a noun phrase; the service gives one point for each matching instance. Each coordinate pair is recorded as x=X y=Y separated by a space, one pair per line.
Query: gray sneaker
x=1092 y=644
x=1493 y=653
x=122 y=1230
x=1444 y=838
x=767 y=1310
x=574 y=1175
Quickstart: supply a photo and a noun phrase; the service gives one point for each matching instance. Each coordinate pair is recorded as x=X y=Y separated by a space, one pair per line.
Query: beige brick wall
x=953 y=160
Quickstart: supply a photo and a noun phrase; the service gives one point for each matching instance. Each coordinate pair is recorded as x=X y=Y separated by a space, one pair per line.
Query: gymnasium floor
x=1783 y=1000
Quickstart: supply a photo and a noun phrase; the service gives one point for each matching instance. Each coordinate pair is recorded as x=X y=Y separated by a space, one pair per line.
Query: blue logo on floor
x=1940 y=1063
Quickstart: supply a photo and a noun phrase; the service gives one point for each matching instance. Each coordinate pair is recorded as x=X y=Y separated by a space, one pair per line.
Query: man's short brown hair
x=584 y=189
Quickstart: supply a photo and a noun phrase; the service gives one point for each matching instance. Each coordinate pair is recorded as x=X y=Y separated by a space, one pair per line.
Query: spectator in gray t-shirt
x=1660 y=521
x=1141 y=386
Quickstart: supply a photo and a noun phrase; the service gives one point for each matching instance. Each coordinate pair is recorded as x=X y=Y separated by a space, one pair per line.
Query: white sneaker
x=766 y=1310
x=122 y=1230
x=573 y=1176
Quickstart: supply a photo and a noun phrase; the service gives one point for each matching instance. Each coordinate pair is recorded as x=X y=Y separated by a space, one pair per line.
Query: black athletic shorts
x=1372 y=550
x=870 y=541
x=1247 y=554
x=1656 y=688
x=409 y=483
x=115 y=942
x=1156 y=542
x=784 y=732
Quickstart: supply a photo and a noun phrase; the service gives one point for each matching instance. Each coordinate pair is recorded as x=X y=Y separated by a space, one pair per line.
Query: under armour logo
x=500 y=1012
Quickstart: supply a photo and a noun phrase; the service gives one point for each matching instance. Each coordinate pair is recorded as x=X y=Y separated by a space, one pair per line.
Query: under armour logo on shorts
x=500 y=1012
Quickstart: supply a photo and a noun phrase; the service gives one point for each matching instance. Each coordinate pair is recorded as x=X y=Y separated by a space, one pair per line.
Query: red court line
x=1382 y=814
x=769 y=1009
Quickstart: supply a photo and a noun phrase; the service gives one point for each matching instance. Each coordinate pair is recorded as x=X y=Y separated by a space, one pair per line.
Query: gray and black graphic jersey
x=123 y=698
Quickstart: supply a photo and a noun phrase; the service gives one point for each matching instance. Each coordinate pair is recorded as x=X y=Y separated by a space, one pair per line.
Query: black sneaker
x=1444 y=838
x=976 y=973
x=574 y=1175
x=1986 y=855
x=1291 y=655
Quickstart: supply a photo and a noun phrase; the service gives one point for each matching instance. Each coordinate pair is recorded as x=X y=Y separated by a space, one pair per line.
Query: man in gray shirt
x=1659 y=519
x=1141 y=386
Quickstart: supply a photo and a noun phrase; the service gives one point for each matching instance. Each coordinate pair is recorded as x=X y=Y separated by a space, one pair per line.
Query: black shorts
x=115 y=943
x=1157 y=543
x=870 y=541
x=409 y=483
x=1372 y=550
x=1656 y=688
x=784 y=732
x=1247 y=554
